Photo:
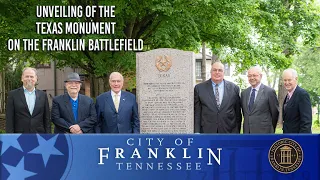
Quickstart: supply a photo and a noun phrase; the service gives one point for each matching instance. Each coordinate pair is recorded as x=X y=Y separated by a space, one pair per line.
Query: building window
x=44 y=65
x=226 y=69
x=198 y=69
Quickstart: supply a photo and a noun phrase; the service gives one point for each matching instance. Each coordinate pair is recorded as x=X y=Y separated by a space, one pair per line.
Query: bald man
x=217 y=104
x=260 y=106
x=117 y=110
x=27 y=109
x=296 y=111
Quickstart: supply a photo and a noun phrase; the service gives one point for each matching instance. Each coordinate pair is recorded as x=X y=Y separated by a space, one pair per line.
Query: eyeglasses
x=216 y=70
x=253 y=75
x=115 y=81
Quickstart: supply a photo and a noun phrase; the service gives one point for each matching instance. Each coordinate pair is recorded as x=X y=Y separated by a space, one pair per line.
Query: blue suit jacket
x=62 y=114
x=297 y=116
x=126 y=120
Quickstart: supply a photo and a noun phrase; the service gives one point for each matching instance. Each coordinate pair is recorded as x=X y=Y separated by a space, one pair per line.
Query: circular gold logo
x=285 y=155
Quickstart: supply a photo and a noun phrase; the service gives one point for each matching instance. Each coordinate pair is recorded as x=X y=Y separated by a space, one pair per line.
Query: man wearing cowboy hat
x=73 y=112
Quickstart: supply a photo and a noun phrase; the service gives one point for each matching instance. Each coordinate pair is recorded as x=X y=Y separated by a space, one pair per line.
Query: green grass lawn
x=315 y=130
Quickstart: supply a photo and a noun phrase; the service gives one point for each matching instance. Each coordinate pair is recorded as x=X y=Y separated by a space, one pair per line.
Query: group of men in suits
x=218 y=105
x=27 y=109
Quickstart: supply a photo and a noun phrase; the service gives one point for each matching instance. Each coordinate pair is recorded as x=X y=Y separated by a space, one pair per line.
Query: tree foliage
x=308 y=64
x=246 y=32
x=276 y=27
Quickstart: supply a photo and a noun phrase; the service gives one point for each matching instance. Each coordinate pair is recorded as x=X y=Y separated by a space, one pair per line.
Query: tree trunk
x=282 y=92
x=99 y=85
x=2 y=92
x=203 y=64
x=275 y=78
x=93 y=86
x=214 y=58
x=106 y=86
x=265 y=70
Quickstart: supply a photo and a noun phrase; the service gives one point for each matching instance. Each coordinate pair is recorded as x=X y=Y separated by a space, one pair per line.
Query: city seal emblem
x=285 y=155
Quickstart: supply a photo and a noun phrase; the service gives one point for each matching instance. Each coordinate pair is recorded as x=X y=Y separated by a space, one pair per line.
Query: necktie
x=116 y=102
x=217 y=96
x=251 y=101
x=287 y=100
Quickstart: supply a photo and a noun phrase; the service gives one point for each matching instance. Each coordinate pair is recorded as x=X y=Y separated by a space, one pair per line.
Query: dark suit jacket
x=124 y=121
x=297 y=116
x=18 y=118
x=63 y=118
x=208 y=118
x=264 y=115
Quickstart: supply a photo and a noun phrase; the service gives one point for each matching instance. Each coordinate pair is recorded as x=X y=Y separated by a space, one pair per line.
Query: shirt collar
x=214 y=84
x=291 y=93
x=113 y=93
x=256 y=88
x=72 y=99
x=26 y=90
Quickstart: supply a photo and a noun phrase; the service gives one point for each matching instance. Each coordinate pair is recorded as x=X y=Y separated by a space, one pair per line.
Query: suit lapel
x=226 y=96
x=246 y=95
x=284 y=109
x=211 y=93
x=37 y=103
x=284 y=101
x=23 y=99
x=296 y=91
x=68 y=106
x=122 y=100
x=260 y=92
x=110 y=101
x=79 y=108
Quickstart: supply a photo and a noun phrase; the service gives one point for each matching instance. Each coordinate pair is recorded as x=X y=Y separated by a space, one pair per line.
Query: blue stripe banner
x=200 y=157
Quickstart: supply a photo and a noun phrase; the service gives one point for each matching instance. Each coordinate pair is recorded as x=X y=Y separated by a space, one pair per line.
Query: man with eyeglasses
x=73 y=112
x=217 y=104
x=260 y=106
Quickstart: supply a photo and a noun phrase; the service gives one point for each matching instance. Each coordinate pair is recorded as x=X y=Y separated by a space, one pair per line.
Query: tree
x=308 y=64
x=234 y=25
x=160 y=23
x=203 y=63
x=2 y=92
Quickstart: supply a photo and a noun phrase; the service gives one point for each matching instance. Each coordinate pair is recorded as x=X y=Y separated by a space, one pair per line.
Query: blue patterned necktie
x=217 y=96
x=251 y=102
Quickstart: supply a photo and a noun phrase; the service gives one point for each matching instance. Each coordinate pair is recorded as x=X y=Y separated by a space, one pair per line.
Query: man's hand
x=75 y=129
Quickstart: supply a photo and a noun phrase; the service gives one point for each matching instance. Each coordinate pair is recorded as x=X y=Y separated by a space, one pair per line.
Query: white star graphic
x=18 y=172
x=46 y=148
x=10 y=140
